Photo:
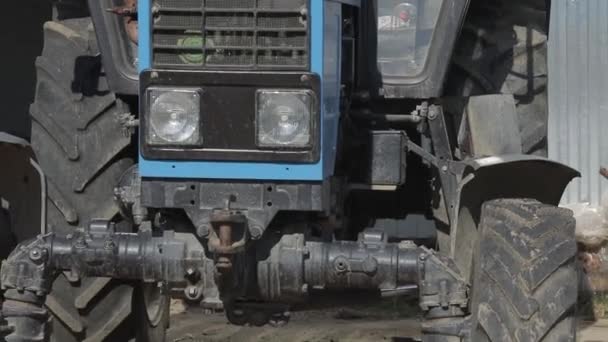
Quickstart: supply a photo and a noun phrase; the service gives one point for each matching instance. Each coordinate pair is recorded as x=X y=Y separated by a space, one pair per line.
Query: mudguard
x=22 y=188
x=479 y=180
x=515 y=176
x=509 y=176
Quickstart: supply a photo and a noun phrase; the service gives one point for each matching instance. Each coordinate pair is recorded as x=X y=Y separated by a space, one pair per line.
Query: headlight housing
x=173 y=117
x=284 y=118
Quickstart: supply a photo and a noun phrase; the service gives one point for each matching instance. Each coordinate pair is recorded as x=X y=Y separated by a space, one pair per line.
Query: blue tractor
x=250 y=154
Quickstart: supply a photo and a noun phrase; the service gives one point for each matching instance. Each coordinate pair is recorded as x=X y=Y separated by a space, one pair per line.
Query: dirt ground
x=320 y=326
x=317 y=326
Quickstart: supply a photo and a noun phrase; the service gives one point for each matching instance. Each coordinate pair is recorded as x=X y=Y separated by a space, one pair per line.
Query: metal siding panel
x=231 y=170
x=578 y=107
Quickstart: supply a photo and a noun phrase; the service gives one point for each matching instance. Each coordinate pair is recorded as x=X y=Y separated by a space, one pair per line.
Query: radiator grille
x=235 y=34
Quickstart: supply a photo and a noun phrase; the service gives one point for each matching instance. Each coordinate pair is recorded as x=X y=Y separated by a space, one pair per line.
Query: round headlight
x=284 y=119
x=174 y=117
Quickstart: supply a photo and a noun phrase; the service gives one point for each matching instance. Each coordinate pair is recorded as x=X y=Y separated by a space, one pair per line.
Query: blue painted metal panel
x=145 y=34
x=254 y=171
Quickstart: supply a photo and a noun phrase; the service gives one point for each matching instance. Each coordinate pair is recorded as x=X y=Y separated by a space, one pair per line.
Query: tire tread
x=524 y=272
x=83 y=150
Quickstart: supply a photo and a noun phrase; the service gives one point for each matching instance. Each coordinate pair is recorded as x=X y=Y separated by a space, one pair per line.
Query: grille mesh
x=238 y=34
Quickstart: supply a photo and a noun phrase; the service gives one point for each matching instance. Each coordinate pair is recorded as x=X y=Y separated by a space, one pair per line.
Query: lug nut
x=192 y=292
x=36 y=254
x=256 y=232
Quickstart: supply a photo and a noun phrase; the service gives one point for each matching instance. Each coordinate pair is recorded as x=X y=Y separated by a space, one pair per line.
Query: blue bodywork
x=325 y=21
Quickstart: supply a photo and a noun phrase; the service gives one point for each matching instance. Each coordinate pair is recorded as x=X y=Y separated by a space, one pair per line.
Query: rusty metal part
x=225 y=235
x=229 y=236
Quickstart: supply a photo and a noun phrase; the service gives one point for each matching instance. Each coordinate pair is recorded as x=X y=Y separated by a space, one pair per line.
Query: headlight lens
x=174 y=117
x=284 y=118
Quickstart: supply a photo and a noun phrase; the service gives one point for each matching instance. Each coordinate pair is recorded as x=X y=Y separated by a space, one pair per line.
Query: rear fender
x=515 y=176
x=510 y=176
x=22 y=187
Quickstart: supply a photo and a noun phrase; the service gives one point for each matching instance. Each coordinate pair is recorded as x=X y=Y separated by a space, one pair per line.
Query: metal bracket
x=449 y=170
x=443 y=291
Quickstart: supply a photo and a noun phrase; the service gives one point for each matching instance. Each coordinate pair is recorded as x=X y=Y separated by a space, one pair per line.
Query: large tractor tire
x=503 y=50
x=83 y=148
x=519 y=257
x=525 y=275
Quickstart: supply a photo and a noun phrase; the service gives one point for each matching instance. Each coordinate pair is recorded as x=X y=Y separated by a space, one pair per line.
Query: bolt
x=109 y=245
x=433 y=114
x=35 y=254
x=192 y=292
x=341 y=264
x=422 y=257
x=444 y=169
x=305 y=289
x=256 y=232
x=203 y=231
x=190 y=271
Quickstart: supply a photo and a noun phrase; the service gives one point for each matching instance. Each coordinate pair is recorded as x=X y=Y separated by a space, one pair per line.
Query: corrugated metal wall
x=578 y=94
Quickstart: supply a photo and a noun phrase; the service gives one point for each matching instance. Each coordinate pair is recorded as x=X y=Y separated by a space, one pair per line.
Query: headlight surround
x=284 y=118
x=173 y=117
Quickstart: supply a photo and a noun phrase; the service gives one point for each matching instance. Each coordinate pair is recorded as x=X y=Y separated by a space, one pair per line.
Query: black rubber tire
x=503 y=50
x=525 y=273
x=83 y=149
x=7 y=239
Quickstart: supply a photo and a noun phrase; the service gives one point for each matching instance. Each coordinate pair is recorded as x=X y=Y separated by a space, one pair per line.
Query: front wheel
x=84 y=149
x=524 y=274
x=519 y=258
